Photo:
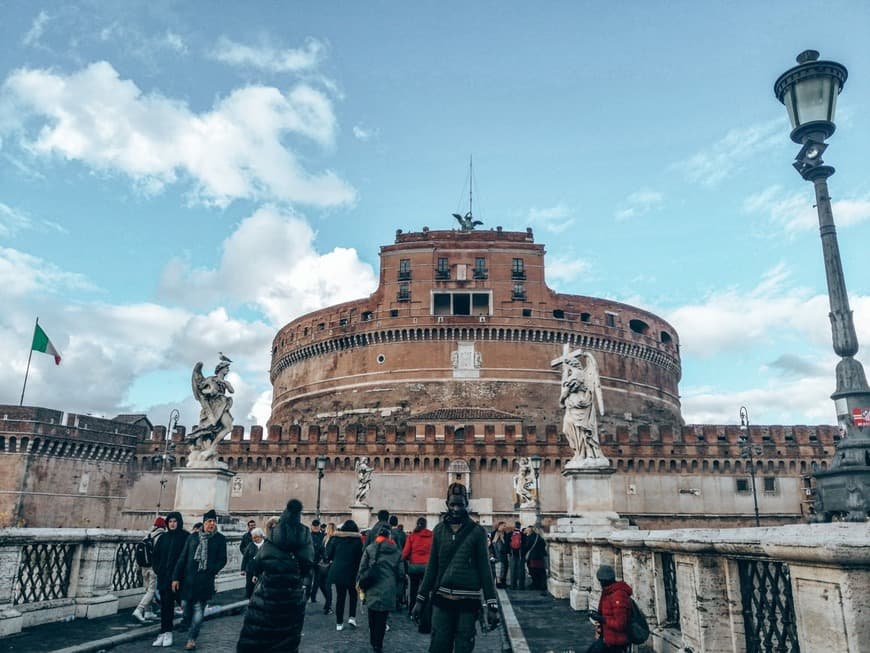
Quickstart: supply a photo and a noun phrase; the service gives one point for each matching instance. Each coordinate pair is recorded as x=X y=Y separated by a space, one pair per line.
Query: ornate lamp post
x=166 y=456
x=535 y=461
x=321 y=465
x=749 y=451
x=809 y=92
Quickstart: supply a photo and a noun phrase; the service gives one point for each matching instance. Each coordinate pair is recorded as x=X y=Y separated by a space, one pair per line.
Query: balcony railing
x=518 y=274
x=404 y=275
x=441 y=275
x=480 y=273
x=403 y=296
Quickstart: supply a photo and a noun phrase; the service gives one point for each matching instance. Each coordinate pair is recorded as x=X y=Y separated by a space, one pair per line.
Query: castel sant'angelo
x=449 y=370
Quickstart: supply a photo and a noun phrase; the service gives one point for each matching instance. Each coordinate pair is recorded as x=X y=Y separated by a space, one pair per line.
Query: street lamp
x=166 y=456
x=748 y=451
x=809 y=92
x=535 y=462
x=321 y=465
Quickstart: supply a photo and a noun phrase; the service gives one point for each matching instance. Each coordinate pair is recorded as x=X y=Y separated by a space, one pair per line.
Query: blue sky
x=178 y=179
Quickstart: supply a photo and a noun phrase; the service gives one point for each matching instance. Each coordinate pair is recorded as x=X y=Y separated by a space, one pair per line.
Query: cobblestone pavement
x=318 y=636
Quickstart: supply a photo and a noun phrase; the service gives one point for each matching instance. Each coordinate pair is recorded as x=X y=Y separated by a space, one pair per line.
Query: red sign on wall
x=861 y=416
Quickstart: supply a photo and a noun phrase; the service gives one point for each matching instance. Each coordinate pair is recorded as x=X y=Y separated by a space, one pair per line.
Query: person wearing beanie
x=383 y=557
x=383 y=520
x=204 y=555
x=614 y=608
x=276 y=612
x=167 y=551
x=143 y=611
x=457 y=572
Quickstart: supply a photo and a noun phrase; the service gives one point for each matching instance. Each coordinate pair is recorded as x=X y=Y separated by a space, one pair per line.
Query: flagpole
x=29 y=356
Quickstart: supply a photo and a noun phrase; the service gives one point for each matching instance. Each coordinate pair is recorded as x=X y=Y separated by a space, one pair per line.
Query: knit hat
x=160 y=523
x=457 y=488
x=384 y=531
x=210 y=514
x=605 y=574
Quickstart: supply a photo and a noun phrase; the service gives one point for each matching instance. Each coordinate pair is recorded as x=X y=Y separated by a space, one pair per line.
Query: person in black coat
x=344 y=551
x=248 y=555
x=276 y=612
x=536 y=559
x=204 y=555
x=167 y=551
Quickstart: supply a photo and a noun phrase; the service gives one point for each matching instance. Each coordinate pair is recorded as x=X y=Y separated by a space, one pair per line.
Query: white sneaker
x=138 y=616
x=339 y=626
x=159 y=640
x=150 y=615
x=167 y=639
x=351 y=621
x=388 y=628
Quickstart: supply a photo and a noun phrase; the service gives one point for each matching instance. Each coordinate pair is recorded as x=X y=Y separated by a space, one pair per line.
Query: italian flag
x=43 y=344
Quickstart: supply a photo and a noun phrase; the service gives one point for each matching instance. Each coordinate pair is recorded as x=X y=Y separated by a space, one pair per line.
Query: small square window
x=394 y=312
x=610 y=319
x=743 y=485
x=527 y=312
x=770 y=484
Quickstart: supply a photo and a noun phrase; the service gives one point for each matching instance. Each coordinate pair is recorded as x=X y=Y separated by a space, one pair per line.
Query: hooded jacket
x=383 y=555
x=344 y=550
x=417 y=547
x=615 y=607
x=168 y=550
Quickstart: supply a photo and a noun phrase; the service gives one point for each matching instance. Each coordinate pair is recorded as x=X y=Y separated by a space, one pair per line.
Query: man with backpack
x=144 y=552
x=614 y=614
x=516 y=545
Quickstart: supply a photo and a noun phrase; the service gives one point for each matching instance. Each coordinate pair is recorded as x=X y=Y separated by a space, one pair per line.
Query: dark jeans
x=452 y=630
x=598 y=646
x=318 y=582
x=342 y=591
x=539 y=578
x=249 y=585
x=518 y=573
x=416 y=579
x=167 y=609
x=377 y=628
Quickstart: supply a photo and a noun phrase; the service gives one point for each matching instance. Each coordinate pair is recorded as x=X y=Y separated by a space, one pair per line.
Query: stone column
x=94 y=597
x=11 y=621
x=561 y=569
x=199 y=489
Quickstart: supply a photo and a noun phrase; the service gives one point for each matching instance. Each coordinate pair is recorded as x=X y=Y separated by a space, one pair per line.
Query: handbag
x=323 y=566
x=370 y=577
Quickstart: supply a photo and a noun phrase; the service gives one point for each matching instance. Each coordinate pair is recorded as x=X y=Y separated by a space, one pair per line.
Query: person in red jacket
x=614 y=608
x=416 y=552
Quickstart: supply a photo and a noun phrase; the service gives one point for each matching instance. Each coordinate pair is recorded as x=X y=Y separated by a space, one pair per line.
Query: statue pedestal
x=362 y=515
x=528 y=515
x=199 y=489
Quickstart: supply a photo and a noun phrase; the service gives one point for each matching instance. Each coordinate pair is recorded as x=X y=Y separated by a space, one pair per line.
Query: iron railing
x=768 y=608
x=43 y=572
x=672 y=599
x=127 y=574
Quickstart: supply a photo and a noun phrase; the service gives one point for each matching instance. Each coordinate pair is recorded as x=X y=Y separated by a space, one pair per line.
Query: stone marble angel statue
x=215 y=419
x=363 y=480
x=582 y=400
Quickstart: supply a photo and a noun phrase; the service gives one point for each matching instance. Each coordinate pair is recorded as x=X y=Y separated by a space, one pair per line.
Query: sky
x=179 y=179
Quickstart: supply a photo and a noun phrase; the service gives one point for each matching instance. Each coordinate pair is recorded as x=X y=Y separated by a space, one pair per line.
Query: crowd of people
x=445 y=579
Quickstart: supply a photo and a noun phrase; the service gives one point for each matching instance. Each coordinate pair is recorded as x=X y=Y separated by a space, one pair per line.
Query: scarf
x=201 y=553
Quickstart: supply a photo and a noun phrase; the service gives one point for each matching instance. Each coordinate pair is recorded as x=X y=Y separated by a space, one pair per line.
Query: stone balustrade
x=51 y=574
x=787 y=588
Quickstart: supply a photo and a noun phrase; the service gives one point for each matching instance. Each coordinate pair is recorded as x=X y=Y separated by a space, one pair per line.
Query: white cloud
x=236 y=150
x=289 y=277
x=22 y=274
x=362 y=133
x=727 y=155
x=638 y=204
x=555 y=219
x=267 y=57
x=566 y=270
x=36 y=29
x=794 y=212
x=11 y=220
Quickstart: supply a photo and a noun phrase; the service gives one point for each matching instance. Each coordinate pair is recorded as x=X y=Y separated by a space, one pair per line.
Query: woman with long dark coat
x=276 y=611
x=344 y=551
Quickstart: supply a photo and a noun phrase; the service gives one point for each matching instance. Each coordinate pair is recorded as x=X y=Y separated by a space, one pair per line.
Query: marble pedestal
x=199 y=489
x=362 y=515
x=528 y=516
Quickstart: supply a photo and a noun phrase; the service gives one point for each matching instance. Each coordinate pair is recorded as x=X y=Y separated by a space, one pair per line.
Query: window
x=518 y=270
x=480 y=268
x=638 y=326
x=610 y=319
x=321 y=326
x=461 y=303
x=394 y=312
x=367 y=316
x=404 y=292
x=442 y=271
x=305 y=331
x=527 y=312
x=404 y=269
x=666 y=337
x=742 y=485
x=342 y=322
x=585 y=317
x=559 y=314
x=519 y=292
x=770 y=484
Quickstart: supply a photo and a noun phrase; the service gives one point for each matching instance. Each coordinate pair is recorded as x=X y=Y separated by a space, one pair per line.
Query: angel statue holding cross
x=582 y=400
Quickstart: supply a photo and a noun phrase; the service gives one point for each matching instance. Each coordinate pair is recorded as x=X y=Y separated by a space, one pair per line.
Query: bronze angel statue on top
x=467 y=222
x=215 y=419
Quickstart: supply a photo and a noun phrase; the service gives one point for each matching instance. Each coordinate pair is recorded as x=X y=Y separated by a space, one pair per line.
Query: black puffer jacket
x=275 y=614
x=168 y=550
x=344 y=550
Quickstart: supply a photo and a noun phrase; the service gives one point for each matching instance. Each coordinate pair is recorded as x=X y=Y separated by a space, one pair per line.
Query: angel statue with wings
x=363 y=480
x=582 y=400
x=215 y=419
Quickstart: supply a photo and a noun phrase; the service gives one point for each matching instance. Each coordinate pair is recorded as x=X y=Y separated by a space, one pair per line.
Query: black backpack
x=144 y=552
x=638 y=628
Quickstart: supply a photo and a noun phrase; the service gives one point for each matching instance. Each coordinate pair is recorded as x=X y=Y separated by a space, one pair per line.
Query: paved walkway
x=532 y=624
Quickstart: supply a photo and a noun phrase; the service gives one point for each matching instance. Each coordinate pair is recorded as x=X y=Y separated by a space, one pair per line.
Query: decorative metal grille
x=127 y=573
x=768 y=608
x=43 y=572
x=672 y=602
